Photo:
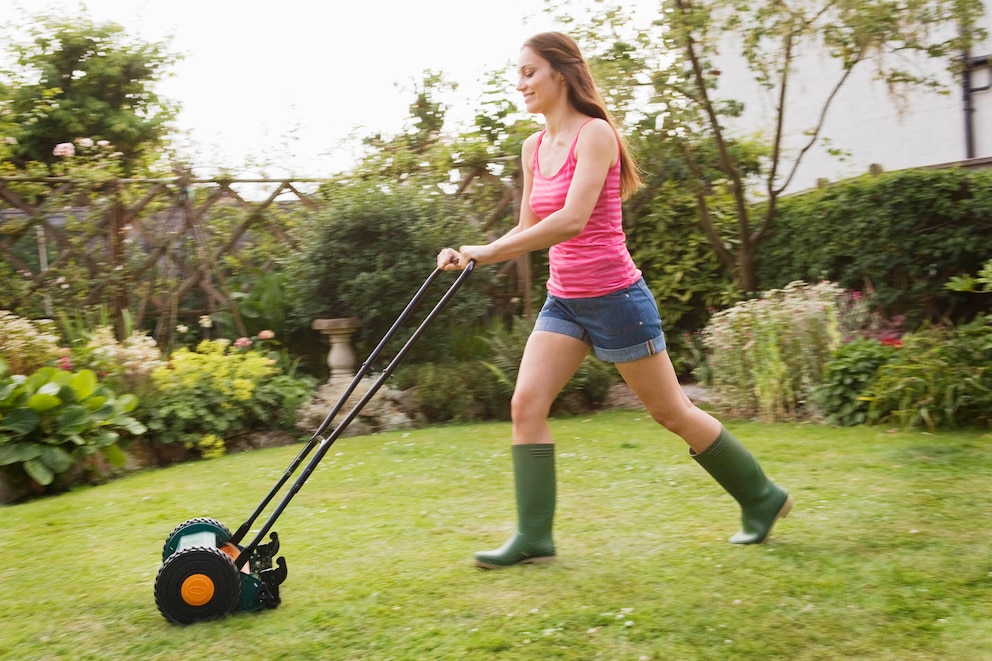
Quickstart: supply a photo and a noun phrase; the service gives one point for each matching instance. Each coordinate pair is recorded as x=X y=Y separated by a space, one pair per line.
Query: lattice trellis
x=149 y=246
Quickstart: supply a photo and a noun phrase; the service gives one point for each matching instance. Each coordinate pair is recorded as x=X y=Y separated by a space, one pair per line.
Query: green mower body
x=200 y=578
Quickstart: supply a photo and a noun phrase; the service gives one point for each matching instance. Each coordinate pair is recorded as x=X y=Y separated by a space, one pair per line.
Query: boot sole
x=546 y=560
x=782 y=513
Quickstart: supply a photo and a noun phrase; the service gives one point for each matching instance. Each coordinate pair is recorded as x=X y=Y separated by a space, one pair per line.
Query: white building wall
x=865 y=122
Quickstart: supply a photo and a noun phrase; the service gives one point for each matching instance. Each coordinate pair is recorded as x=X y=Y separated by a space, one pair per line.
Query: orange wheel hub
x=197 y=589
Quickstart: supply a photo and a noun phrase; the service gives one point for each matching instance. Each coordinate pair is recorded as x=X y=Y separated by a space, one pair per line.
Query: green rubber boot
x=736 y=470
x=534 y=479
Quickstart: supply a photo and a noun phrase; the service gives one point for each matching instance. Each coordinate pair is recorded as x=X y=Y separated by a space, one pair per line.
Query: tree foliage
x=78 y=79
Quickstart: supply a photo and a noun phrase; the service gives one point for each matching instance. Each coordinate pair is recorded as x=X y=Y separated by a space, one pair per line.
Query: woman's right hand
x=450 y=259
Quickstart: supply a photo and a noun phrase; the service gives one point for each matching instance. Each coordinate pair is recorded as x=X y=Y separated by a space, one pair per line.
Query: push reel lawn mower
x=207 y=571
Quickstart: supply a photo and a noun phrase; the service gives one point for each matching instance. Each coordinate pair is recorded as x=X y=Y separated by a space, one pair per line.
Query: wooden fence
x=155 y=250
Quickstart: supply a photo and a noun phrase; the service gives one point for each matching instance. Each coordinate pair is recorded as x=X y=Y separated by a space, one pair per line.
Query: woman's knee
x=676 y=419
x=525 y=406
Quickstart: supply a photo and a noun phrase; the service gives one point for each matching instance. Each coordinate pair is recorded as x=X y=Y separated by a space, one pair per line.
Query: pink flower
x=65 y=363
x=266 y=335
x=242 y=343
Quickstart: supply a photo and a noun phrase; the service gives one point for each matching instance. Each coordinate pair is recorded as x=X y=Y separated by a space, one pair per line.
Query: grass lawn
x=887 y=554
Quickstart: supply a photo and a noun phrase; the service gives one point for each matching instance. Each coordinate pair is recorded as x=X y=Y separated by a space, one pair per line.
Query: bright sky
x=285 y=81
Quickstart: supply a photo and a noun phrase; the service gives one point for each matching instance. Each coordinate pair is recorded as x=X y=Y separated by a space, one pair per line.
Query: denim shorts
x=620 y=327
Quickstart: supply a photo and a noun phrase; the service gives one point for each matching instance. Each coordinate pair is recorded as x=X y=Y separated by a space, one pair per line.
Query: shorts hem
x=562 y=327
x=629 y=354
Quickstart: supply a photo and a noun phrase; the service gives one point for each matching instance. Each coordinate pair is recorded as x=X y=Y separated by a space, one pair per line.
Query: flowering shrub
x=128 y=364
x=26 y=345
x=766 y=356
x=52 y=420
x=209 y=446
x=941 y=377
x=90 y=160
x=218 y=390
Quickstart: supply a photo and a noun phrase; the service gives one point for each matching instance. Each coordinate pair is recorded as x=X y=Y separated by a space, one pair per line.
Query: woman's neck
x=563 y=124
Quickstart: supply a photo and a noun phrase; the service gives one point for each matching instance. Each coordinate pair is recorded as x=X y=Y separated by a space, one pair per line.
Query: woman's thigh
x=549 y=361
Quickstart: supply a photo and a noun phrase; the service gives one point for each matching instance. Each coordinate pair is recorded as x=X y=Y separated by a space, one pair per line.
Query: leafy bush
x=767 y=355
x=366 y=255
x=847 y=377
x=903 y=232
x=443 y=393
x=25 y=344
x=54 y=419
x=217 y=390
x=941 y=377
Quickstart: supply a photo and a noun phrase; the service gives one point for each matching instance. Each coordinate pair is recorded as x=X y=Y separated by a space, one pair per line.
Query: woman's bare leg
x=549 y=361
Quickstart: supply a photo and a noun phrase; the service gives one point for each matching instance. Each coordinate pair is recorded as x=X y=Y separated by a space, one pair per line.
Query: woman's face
x=541 y=86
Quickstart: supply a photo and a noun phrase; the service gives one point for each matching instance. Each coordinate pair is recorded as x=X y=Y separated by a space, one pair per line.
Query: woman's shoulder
x=530 y=146
x=597 y=138
x=532 y=139
x=598 y=129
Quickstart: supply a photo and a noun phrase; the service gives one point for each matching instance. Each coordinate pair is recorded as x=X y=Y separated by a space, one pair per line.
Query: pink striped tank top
x=596 y=262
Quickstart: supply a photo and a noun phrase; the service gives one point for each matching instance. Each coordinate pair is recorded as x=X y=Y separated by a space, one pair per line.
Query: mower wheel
x=197 y=525
x=197 y=584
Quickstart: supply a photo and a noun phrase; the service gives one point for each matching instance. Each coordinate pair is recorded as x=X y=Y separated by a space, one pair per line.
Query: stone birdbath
x=340 y=357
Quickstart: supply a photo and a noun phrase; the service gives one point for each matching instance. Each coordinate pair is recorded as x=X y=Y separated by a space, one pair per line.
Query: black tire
x=197 y=584
x=198 y=524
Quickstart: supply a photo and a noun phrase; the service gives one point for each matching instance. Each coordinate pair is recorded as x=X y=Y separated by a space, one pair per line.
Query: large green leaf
x=51 y=388
x=20 y=421
x=84 y=383
x=6 y=391
x=126 y=403
x=105 y=438
x=56 y=459
x=38 y=472
x=96 y=404
x=15 y=453
x=67 y=394
x=39 y=379
x=130 y=424
x=73 y=420
x=41 y=402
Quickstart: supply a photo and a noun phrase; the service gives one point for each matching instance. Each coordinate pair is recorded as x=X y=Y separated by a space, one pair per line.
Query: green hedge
x=904 y=234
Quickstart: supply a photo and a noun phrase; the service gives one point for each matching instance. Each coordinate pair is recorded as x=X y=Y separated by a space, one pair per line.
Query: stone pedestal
x=341 y=357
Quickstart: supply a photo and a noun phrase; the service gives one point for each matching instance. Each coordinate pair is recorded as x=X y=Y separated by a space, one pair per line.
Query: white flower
x=64 y=150
x=206 y=321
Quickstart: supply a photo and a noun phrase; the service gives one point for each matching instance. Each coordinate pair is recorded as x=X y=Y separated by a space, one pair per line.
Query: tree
x=855 y=33
x=74 y=79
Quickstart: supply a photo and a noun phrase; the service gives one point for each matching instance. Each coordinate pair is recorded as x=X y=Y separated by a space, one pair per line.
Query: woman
x=576 y=172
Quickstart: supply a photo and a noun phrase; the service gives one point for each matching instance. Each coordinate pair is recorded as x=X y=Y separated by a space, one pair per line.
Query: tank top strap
x=537 y=148
x=571 y=150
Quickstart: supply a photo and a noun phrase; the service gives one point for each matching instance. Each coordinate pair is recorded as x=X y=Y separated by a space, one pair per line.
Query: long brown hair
x=563 y=53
